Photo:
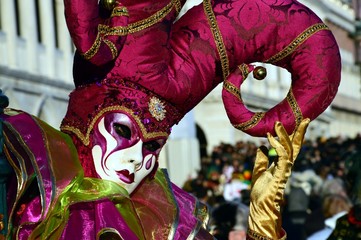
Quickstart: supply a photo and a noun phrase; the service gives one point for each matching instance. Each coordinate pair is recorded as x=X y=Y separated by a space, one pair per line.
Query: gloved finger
x=283 y=138
x=284 y=164
x=280 y=149
x=298 y=137
x=261 y=163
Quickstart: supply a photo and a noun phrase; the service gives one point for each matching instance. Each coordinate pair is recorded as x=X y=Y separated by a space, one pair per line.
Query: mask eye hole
x=152 y=146
x=122 y=130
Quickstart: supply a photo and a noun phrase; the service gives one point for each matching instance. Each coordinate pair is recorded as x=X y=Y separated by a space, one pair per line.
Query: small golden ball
x=259 y=73
x=107 y=4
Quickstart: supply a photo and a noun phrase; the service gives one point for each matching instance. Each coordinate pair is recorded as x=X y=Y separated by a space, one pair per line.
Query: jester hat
x=135 y=58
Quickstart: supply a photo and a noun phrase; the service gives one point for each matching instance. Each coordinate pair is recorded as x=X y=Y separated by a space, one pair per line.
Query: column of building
x=47 y=33
x=28 y=32
x=64 y=43
x=8 y=20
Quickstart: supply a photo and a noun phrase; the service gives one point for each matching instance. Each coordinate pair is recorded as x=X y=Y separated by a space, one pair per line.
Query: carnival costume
x=134 y=58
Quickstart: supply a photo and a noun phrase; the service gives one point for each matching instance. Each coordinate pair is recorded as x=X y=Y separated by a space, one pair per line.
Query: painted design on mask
x=120 y=152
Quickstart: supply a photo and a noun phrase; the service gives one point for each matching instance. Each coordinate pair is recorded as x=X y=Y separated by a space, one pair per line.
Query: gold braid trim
x=297 y=42
x=250 y=123
x=112 y=48
x=231 y=88
x=85 y=138
x=119 y=11
x=104 y=30
x=244 y=70
x=295 y=108
x=156 y=17
x=177 y=5
x=217 y=38
x=252 y=235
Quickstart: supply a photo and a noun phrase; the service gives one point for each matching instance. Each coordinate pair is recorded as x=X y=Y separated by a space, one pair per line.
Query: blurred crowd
x=318 y=191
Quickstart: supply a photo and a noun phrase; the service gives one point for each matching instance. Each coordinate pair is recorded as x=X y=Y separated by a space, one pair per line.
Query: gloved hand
x=268 y=183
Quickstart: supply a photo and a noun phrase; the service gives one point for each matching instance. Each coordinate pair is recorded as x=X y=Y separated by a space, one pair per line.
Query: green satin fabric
x=80 y=190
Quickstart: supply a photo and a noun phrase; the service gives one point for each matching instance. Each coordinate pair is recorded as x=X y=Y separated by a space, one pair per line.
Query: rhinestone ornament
x=157 y=108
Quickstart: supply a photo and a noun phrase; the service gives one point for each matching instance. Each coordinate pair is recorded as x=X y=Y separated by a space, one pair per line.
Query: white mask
x=120 y=152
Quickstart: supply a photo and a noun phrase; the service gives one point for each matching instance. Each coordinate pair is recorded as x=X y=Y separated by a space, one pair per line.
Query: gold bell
x=107 y=4
x=259 y=73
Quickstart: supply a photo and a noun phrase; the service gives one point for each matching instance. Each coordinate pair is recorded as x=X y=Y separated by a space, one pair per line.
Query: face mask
x=120 y=153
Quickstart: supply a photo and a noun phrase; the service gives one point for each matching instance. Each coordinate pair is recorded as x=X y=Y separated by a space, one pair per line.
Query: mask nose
x=134 y=154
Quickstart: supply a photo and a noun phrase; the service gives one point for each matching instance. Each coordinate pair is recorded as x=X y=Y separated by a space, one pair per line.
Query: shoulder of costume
x=188 y=215
x=37 y=151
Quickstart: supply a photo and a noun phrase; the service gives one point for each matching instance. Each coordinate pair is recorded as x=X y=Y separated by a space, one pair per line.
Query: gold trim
x=202 y=213
x=85 y=138
x=119 y=12
x=112 y=48
x=297 y=42
x=295 y=108
x=110 y=230
x=156 y=17
x=217 y=38
x=200 y=222
x=21 y=176
x=256 y=118
x=96 y=45
x=231 y=88
x=33 y=162
x=256 y=236
x=244 y=70
x=104 y=30
x=178 y=5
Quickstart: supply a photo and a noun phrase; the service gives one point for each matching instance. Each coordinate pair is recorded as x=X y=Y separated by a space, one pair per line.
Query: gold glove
x=268 y=183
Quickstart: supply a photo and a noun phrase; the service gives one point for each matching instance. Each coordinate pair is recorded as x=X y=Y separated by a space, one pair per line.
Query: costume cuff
x=252 y=235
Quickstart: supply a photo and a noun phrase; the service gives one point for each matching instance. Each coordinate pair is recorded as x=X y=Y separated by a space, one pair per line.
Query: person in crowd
x=348 y=226
x=334 y=206
x=137 y=72
x=229 y=221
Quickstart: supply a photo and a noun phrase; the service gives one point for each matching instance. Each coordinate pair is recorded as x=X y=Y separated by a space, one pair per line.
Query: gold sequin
x=297 y=42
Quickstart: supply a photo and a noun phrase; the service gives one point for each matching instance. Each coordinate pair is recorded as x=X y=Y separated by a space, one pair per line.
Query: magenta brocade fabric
x=113 y=95
x=184 y=61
